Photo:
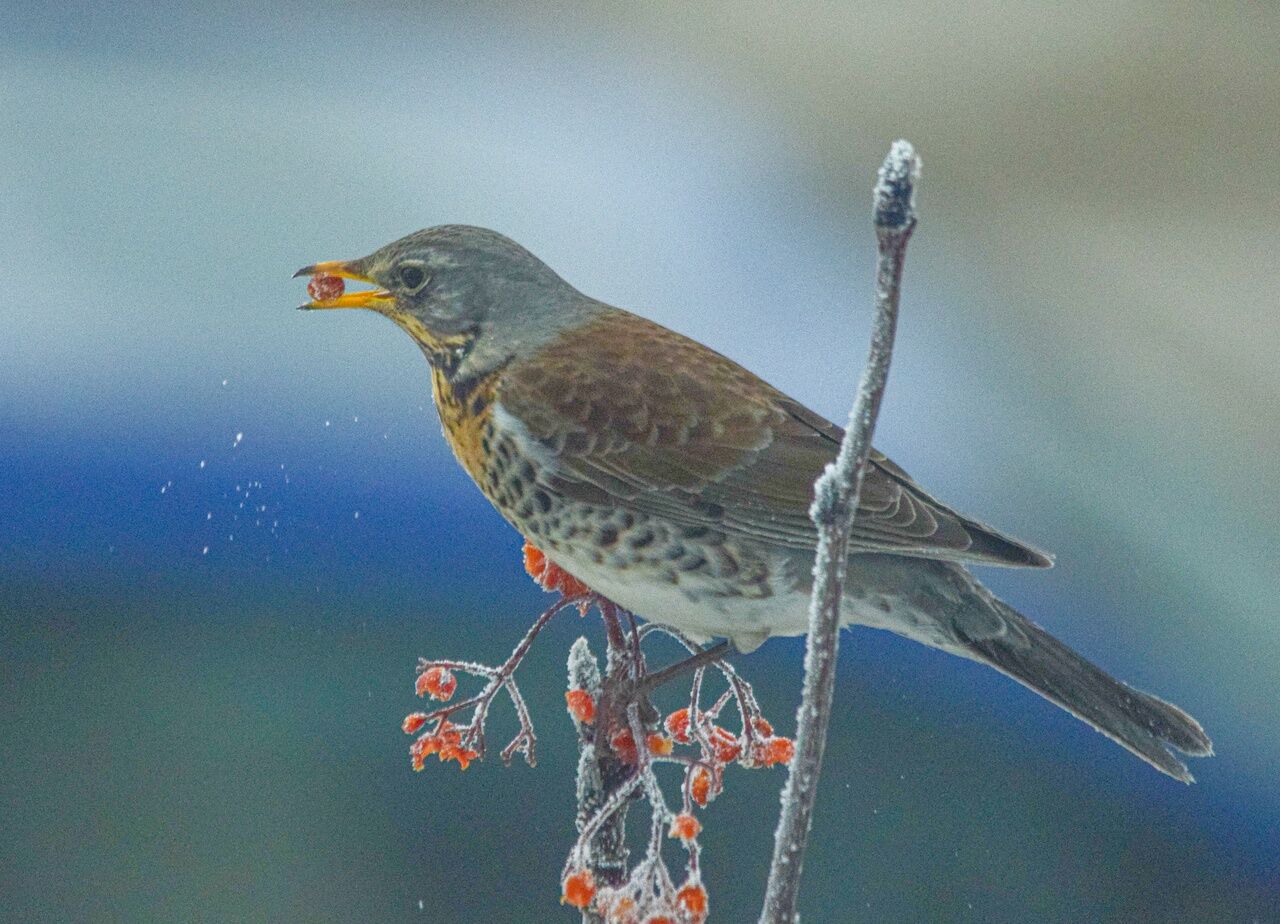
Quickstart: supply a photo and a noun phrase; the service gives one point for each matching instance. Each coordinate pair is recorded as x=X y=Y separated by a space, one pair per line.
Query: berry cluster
x=611 y=733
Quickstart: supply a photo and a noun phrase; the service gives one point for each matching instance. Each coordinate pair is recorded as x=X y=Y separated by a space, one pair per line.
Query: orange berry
x=700 y=787
x=549 y=575
x=423 y=748
x=660 y=745
x=535 y=563
x=762 y=726
x=660 y=919
x=678 y=725
x=563 y=581
x=693 y=899
x=581 y=706
x=448 y=733
x=414 y=721
x=778 y=751
x=685 y=827
x=782 y=750
x=579 y=889
x=438 y=681
x=725 y=745
x=451 y=750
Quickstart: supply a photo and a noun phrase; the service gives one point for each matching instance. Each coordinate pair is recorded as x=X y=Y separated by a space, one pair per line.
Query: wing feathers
x=637 y=415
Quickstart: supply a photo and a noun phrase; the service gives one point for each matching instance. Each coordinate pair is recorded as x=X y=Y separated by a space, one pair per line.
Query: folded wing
x=636 y=415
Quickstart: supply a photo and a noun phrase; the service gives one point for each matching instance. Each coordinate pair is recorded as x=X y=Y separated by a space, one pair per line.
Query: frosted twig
x=834 y=507
x=470 y=742
x=621 y=744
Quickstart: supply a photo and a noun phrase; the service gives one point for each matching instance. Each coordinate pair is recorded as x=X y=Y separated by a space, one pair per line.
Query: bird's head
x=470 y=297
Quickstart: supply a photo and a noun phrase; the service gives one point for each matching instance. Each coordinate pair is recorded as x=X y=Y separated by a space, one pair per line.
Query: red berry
x=324 y=288
x=624 y=746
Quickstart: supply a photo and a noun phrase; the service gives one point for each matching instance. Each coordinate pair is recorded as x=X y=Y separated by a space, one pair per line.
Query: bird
x=677 y=484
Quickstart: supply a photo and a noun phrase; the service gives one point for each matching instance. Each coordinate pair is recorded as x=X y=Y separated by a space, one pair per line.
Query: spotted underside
x=513 y=474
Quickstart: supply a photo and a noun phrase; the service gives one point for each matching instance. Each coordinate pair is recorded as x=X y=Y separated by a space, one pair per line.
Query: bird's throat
x=443 y=352
x=466 y=410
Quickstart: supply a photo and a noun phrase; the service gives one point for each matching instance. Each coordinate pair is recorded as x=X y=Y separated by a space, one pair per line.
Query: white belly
x=690 y=606
x=746 y=621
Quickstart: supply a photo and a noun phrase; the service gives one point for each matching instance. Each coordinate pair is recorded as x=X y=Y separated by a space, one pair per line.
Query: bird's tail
x=1147 y=726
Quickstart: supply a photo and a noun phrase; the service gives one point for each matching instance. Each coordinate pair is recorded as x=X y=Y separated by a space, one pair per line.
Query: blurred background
x=227 y=529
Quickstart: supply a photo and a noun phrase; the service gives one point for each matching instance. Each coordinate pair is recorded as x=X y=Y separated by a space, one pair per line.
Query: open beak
x=375 y=299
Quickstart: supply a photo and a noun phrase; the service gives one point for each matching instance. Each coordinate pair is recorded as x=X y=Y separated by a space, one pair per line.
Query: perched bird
x=677 y=484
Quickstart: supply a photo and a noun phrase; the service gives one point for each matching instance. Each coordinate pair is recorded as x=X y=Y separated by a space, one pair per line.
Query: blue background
x=227 y=529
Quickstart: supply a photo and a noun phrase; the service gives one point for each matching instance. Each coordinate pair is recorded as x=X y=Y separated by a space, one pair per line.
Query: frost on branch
x=622 y=742
x=835 y=503
x=465 y=743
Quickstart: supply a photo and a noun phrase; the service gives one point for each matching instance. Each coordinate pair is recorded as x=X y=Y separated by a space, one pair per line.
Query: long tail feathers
x=1144 y=724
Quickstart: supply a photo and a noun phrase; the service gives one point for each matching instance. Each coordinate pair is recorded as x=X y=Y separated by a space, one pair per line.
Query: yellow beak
x=376 y=299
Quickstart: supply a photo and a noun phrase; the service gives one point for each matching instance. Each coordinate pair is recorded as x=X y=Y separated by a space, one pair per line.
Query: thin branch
x=834 y=506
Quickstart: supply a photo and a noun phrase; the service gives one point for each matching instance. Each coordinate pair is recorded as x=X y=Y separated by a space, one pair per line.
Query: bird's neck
x=465 y=406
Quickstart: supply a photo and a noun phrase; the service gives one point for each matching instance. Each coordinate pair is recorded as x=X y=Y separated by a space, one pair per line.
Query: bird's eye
x=412 y=277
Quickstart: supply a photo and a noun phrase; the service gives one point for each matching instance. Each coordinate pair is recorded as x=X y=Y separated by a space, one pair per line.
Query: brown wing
x=638 y=415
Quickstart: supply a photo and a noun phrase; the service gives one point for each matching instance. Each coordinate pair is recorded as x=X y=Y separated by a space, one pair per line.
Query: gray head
x=470 y=297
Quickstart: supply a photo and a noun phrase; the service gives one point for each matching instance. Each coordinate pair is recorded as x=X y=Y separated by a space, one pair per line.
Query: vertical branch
x=834 y=506
x=603 y=779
